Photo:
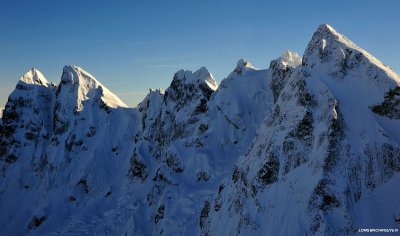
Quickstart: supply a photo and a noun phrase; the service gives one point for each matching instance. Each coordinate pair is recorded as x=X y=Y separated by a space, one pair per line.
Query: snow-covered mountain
x=319 y=158
x=308 y=146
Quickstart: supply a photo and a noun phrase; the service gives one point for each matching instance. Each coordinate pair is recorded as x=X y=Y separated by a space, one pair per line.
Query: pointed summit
x=324 y=40
x=209 y=79
x=326 y=29
x=34 y=76
x=84 y=86
x=338 y=53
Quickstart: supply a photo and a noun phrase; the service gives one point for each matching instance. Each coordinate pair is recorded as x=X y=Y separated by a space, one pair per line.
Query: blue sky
x=131 y=46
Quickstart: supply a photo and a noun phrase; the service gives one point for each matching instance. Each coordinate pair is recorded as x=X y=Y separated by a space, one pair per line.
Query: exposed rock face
x=322 y=150
x=310 y=143
x=390 y=107
x=26 y=119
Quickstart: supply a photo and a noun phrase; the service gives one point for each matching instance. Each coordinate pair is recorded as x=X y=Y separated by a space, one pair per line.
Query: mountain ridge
x=310 y=141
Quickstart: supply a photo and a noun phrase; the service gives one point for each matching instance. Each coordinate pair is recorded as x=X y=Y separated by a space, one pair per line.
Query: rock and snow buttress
x=309 y=146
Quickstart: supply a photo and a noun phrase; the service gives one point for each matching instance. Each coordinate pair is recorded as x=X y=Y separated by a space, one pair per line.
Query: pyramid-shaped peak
x=326 y=29
x=338 y=53
x=88 y=87
x=34 y=76
x=204 y=74
x=327 y=32
x=327 y=45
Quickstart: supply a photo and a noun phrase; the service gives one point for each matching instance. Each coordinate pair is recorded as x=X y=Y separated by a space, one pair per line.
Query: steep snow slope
x=320 y=155
x=146 y=168
x=26 y=115
x=57 y=145
x=304 y=147
x=196 y=136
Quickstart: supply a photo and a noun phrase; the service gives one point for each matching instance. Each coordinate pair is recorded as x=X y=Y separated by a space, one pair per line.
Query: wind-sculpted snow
x=307 y=146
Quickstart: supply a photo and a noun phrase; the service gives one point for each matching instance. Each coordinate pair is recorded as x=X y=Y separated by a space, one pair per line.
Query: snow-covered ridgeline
x=311 y=142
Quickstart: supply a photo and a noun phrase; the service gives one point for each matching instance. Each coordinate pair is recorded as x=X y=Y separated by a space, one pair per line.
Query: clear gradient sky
x=131 y=46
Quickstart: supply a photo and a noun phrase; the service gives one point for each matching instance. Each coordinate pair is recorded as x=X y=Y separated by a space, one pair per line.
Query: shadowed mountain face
x=308 y=146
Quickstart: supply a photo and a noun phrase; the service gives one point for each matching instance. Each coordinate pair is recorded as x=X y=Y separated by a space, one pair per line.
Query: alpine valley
x=309 y=146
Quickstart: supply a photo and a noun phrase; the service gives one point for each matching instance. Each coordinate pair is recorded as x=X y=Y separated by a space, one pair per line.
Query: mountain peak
x=72 y=74
x=329 y=47
x=189 y=90
x=324 y=40
x=326 y=45
x=290 y=59
x=199 y=76
x=242 y=65
x=203 y=72
x=323 y=135
x=34 y=76
x=326 y=29
x=88 y=86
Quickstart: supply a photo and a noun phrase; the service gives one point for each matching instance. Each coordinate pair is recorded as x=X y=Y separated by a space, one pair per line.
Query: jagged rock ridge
x=310 y=143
